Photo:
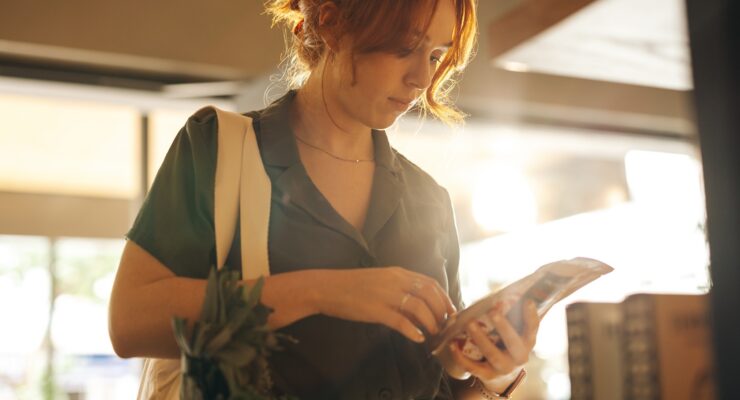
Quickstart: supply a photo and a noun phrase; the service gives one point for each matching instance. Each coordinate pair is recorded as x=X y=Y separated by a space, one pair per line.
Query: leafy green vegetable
x=225 y=357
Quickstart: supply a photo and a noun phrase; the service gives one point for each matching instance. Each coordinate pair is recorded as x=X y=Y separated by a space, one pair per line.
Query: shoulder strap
x=241 y=184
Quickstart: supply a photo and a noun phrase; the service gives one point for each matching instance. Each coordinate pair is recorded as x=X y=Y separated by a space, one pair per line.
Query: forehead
x=442 y=25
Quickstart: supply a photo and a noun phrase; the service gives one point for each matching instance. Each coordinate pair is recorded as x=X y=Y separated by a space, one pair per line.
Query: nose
x=420 y=74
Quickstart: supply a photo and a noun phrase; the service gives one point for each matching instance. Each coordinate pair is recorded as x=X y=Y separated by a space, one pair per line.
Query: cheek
x=376 y=80
x=381 y=73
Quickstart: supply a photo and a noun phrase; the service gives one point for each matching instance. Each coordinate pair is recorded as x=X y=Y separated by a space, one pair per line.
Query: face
x=387 y=85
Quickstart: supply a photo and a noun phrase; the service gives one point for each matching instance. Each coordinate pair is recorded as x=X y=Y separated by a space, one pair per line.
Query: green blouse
x=410 y=223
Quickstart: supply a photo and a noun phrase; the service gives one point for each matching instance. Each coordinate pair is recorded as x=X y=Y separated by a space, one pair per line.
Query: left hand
x=498 y=367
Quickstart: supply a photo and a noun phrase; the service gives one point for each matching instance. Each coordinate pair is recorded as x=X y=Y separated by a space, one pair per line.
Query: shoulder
x=202 y=125
x=201 y=130
x=200 y=134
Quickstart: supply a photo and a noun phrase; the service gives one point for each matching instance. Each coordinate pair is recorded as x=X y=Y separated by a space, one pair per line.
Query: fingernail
x=419 y=336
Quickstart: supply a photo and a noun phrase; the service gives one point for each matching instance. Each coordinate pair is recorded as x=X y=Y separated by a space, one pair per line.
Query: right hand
x=406 y=301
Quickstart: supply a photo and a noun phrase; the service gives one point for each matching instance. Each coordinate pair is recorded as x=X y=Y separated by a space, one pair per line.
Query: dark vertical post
x=715 y=50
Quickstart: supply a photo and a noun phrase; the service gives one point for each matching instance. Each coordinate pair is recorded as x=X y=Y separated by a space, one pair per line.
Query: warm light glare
x=503 y=200
x=654 y=242
x=669 y=184
x=24 y=294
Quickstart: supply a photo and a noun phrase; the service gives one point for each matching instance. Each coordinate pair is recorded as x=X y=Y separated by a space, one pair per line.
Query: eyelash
x=406 y=52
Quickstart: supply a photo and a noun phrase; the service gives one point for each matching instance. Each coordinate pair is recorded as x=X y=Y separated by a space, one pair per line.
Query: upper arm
x=175 y=223
x=173 y=231
x=137 y=269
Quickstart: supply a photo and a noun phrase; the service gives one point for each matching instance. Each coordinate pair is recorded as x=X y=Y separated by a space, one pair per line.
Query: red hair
x=380 y=25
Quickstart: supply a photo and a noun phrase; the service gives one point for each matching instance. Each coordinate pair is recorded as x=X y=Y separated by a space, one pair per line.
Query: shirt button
x=385 y=394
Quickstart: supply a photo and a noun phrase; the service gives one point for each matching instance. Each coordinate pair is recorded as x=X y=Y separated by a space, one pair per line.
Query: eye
x=436 y=58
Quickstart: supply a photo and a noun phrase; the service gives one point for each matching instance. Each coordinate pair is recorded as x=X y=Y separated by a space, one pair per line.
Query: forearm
x=143 y=326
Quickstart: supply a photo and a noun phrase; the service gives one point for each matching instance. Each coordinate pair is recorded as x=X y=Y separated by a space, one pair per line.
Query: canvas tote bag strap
x=247 y=189
x=231 y=135
x=254 y=201
x=240 y=181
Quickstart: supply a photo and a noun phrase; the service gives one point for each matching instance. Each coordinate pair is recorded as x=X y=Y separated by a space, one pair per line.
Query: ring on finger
x=416 y=286
x=404 y=300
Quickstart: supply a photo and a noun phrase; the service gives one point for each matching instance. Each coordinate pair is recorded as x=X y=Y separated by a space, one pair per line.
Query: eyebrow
x=446 y=46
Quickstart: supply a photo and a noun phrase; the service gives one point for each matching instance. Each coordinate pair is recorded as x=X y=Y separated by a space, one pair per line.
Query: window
x=58 y=345
x=71 y=156
x=68 y=147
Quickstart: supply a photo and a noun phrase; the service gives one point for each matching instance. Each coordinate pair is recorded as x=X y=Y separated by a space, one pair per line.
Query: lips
x=404 y=104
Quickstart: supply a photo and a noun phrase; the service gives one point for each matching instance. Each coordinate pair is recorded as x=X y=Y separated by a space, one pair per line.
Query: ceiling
x=617 y=64
x=627 y=41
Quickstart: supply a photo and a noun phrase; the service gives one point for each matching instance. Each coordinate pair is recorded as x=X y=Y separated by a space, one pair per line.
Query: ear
x=328 y=24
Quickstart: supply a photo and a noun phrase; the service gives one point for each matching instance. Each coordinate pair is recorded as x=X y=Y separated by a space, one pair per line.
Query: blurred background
x=581 y=141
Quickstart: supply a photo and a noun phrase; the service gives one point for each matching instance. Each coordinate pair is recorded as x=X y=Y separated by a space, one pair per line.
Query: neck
x=318 y=119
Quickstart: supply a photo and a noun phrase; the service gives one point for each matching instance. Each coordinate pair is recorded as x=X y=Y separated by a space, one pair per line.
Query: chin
x=385 y=121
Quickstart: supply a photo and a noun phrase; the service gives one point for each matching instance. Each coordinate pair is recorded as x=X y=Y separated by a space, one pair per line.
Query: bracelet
x=506 y=394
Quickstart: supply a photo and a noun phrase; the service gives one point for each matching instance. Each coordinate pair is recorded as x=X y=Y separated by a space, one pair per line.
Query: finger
x=418 y=310
x=531 y=323
x=480 y=369
x=499 y=360
x=443 y=296
x=515 y=344
x=399 y=322
x=434 y=296
x=449 y=306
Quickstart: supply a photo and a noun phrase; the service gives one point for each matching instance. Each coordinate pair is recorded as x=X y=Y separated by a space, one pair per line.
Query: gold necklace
x=356 y=161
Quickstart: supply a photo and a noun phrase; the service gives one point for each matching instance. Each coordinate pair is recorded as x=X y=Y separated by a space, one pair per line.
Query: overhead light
x=513 y=66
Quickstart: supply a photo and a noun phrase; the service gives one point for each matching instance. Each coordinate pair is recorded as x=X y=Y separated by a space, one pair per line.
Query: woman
x=362 y=243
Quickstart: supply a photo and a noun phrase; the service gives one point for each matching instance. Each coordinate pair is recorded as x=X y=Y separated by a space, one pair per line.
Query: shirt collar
x=279 y=145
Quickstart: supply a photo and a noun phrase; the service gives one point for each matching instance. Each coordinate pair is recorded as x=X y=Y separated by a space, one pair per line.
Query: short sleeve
x=452 y=254
x=175 y=222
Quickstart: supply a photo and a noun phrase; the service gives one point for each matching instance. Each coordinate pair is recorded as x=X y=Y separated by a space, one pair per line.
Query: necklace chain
x=356 y=161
